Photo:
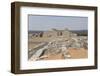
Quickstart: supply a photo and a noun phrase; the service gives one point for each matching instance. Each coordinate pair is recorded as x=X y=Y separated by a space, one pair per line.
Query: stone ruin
x=60 y=45
x=54 y=33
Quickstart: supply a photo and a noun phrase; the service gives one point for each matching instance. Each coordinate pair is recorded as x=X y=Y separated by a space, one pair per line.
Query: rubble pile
x=61 y=46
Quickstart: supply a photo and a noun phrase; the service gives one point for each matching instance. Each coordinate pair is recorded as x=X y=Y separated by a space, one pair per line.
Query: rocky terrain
x=60 y=48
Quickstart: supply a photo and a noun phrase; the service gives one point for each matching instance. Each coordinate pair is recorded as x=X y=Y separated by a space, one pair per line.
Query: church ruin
x=54 y=33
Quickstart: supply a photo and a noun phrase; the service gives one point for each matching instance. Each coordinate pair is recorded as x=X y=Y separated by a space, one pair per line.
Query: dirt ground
x=78 y=53
x=74 y=53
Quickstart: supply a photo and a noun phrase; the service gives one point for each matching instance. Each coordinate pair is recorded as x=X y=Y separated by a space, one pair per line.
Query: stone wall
x=55 y=33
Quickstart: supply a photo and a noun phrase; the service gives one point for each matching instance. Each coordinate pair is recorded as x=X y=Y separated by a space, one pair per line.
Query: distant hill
x=80 y=32
x=35 y=32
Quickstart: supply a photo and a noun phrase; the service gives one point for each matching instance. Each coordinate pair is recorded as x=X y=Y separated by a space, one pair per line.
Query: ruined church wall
x=49 y=34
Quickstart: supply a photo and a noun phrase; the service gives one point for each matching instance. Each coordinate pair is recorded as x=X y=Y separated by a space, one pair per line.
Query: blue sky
x=44 y=22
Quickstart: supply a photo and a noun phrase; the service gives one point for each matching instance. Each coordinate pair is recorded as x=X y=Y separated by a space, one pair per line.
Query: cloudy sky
x=43 y=23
